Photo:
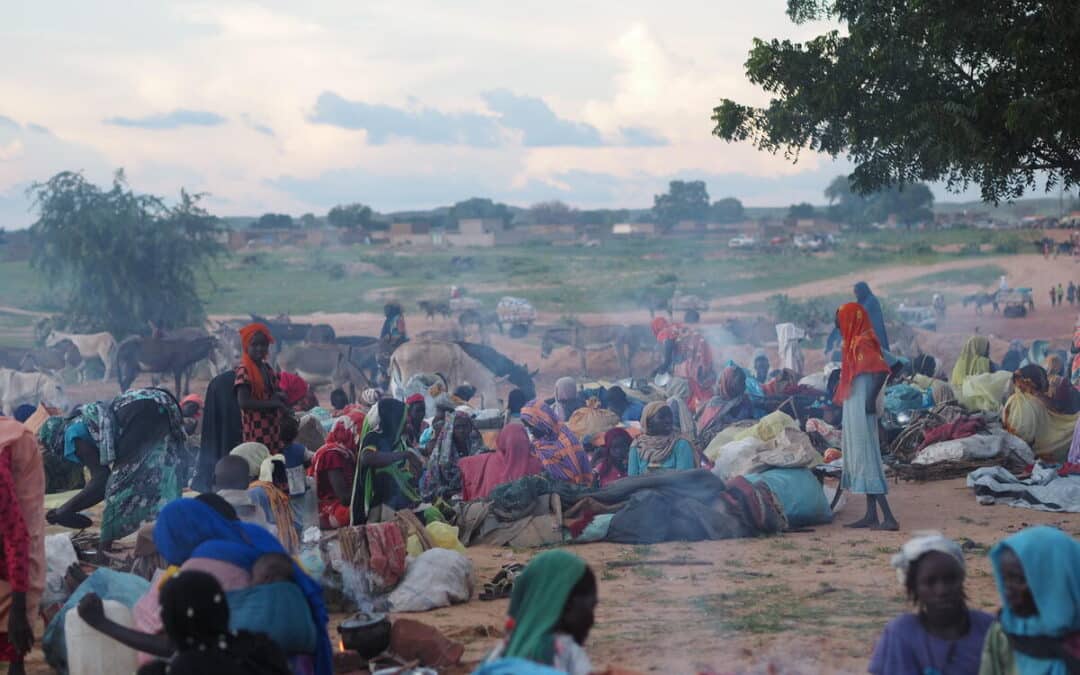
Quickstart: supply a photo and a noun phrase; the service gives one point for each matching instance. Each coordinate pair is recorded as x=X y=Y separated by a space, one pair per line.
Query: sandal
x=502 y=586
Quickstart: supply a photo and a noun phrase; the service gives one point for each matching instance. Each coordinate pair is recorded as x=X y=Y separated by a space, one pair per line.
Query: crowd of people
x=227 y=556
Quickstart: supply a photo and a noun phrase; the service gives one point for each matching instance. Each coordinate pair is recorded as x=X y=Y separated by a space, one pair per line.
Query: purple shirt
x=905 y=648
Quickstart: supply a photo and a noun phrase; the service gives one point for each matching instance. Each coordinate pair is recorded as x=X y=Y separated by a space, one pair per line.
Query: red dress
x=260 y=426
x=15 y=549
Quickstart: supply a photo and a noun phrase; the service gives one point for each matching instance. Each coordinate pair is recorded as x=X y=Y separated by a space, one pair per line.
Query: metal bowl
x=366 y=634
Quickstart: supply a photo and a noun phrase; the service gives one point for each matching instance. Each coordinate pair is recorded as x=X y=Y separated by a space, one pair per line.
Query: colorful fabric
x=1051 y=562
x=1028 y=416
x=651 y=448
x=861 y=349
x=442 y=475
x=539 y=597
x=339 y=453
x=974 y=359
x=188 y=528
x=293 y=386
x=512 y=459
x=681 y=458
x=393 y=486
x=732 y=383
x=282 y=513
x=562 y=454
x=256 y=378
x=870 y=303
x=606 y=466
x=22 y=524
x=259 y=426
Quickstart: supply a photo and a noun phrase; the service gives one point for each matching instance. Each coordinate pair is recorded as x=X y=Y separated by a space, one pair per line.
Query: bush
x=805 y=313
x=1008 y=244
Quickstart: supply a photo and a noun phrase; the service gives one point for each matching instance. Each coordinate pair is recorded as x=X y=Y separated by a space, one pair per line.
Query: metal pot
x=366 y=634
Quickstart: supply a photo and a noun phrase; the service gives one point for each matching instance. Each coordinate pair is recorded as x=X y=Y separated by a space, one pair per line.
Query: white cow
x=90 y=345
x=17 y=388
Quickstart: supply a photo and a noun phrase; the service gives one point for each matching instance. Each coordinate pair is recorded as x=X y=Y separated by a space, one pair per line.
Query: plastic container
x=90 y=652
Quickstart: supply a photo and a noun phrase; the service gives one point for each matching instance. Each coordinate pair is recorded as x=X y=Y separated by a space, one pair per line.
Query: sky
x=281 y=106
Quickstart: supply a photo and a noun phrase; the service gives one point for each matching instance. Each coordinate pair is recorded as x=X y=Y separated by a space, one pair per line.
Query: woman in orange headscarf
x=862 y=374
x=686 y=354
x=256 y=389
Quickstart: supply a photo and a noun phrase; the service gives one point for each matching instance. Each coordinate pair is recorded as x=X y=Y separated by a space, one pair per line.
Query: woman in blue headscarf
x=1038 y=631
x=189 y=529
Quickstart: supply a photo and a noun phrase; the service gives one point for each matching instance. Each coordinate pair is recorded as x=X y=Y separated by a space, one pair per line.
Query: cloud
x=539 y=125
x=257 y=126
x=639 y=137
x=423 y=124
x=171 y=120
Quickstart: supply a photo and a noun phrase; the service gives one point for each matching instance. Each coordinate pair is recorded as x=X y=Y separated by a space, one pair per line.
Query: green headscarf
x=540 y=595
x=381 y=432
x=51 y=435
x=974 y=359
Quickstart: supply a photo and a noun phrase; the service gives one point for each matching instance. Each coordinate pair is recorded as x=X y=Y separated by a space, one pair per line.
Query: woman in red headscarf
x=512 y=459
x=687 y=355
x=333 y=467
x=862 y=374
x=256 y=389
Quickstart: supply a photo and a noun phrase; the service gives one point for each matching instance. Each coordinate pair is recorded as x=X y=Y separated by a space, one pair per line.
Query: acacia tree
x=121 y=258
x=963 y=91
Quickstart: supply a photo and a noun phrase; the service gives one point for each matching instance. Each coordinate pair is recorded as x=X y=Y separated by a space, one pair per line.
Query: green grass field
x=563 y=279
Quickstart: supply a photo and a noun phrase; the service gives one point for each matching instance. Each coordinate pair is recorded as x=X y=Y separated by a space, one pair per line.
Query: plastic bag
x=438 y=578
x=445 y=536
x=769 y=427
x=59 y=556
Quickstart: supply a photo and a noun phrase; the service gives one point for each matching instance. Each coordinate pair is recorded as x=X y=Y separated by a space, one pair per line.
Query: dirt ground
x=798 y=603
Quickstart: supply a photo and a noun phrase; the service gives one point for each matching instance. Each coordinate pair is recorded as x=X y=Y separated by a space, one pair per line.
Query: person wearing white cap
x=943 y=636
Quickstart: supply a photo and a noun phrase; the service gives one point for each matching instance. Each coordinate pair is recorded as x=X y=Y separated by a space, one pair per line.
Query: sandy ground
x=798 y=603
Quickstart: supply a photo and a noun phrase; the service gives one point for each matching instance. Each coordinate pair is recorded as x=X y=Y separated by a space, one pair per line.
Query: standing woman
x=862 y=374
x=256 y=389
x=22 y=537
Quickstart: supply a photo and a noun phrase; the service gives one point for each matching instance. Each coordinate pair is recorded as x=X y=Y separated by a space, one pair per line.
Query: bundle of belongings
x=948 y=441
x=1049 y=488
x=675 y=506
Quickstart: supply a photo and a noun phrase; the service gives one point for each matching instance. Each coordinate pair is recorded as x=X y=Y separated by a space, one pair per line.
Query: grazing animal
x=90 y=345
x=980 y=300
x=48 y=360
x=433 y=307
x=323 y=364
x=482 y=320
x=138 y=354
x=584 y=339
x=478 y=365
x=29 y=388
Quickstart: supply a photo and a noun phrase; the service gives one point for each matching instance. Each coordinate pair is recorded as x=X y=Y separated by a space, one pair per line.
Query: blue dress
x=863 y=473
x=680 y=459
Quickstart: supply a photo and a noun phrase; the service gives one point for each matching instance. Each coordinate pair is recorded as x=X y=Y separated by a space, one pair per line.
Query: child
x=296 y=456
x=195 y=614
x=944 y=636
x=272 y=568
x=338 y=400
x=1038 y=630
x=552 y=611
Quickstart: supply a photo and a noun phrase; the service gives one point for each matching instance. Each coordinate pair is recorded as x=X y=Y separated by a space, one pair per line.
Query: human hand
x=92 y=609
x=20 y=635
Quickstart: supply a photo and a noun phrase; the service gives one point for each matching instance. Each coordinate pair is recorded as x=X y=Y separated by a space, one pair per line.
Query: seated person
x=660 y=447
x=338 y=401
x=231 y=483
x=944 y=635
x=297 y=458
x=552 y=610
x=619 y=403
x=515 y=401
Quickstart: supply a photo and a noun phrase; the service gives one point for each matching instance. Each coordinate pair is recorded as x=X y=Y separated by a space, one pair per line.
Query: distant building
x=411 y=234
x=478 y=232
x=249 y=238
x=634 y=229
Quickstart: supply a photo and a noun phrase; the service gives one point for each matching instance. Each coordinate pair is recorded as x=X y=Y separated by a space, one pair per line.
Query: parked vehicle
x=742 y=241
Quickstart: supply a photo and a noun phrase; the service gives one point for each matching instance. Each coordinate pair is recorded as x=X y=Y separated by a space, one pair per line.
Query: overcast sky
x=278 y=106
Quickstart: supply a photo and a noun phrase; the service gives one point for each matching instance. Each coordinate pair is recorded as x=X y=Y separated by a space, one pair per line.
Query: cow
x=29 y=388
x=138 y=354
x=90 y=345
x=323 y=365
x=478 y=365
x=48 y=360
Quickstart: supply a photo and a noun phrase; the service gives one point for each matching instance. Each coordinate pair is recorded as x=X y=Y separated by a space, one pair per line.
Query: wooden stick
x=639 y=563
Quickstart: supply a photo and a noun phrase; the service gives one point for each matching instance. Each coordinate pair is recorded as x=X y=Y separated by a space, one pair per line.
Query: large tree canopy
x=684 y=200
x=909 y=204
x=963 y=91
x=121 y=258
